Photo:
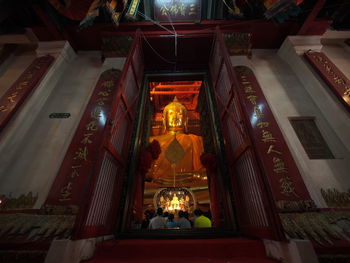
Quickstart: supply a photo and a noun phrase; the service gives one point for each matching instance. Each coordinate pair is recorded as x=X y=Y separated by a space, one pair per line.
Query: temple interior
x=114 y=113
x=185 y=190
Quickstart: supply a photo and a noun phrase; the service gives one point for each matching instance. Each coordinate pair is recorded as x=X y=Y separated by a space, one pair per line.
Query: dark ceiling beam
x=311 y=17
x=57 y=35
x=47 y=22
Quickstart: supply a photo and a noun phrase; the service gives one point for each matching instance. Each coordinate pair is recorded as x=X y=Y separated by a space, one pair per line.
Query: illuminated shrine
x=238 y=110
x=177 y=172
x=173 y=199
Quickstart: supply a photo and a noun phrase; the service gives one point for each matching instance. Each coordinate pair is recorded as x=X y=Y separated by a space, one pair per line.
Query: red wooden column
x=338 y=83
x=215 y=199
x=209 y=161
x=12 y=100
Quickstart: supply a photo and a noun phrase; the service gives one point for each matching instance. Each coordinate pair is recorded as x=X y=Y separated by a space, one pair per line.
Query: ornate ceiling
x=269 y=21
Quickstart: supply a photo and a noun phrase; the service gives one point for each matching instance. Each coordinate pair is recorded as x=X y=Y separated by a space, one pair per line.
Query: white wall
x=339 y=56
x=288 y=97
x=33 y=146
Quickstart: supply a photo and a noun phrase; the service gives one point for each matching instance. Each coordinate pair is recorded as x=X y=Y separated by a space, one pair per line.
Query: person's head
x=181 y=213
x=171 y=217
x=198 y=212
x=186 y=215
x=166 y=214
x=159 y=211
x=175 y=116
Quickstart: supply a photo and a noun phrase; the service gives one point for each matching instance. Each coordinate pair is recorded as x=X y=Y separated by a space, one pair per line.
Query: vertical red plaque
x=334 y=78
x=77 y=167
x=278 y=164
x=23 y=86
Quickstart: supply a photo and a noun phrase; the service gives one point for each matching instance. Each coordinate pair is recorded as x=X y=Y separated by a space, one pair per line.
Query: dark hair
x=198 y=212
x=159 y=211
x=181 y=213
x=165 y=214
x=186 y=215
x=171 y=217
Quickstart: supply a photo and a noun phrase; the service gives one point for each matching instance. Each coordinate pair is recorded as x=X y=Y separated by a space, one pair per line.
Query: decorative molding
x=338 y=83
x=59 y=210
x=285 y=206
x=116 y=46
x=24 y=201
x=334 y=198
x=35 y=227
x=238 y=44
x=322 y=227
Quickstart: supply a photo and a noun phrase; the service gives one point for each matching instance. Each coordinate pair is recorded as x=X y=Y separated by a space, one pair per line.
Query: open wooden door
x=104 y=207
x=254 y=206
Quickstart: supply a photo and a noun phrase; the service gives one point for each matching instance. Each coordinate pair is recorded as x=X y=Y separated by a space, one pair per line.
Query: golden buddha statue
x=180 y=151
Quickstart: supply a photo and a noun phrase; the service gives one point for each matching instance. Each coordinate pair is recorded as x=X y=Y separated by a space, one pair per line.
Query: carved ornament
x=238 y=44
x=24 y=201
x=116 y=46
x=35 y=227
x=334 y=198
x=322 y=227
x=286 y=206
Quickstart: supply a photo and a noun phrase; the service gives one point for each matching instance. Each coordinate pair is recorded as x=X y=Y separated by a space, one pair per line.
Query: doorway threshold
x=205 y=233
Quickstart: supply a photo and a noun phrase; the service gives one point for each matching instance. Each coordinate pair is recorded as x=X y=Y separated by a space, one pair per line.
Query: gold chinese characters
x=267 y=137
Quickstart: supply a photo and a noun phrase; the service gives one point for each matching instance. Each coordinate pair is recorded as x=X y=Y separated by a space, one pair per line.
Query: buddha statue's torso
x=178 y=150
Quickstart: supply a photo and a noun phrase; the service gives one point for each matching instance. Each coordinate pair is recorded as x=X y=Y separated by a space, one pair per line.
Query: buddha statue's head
x=175 y=117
